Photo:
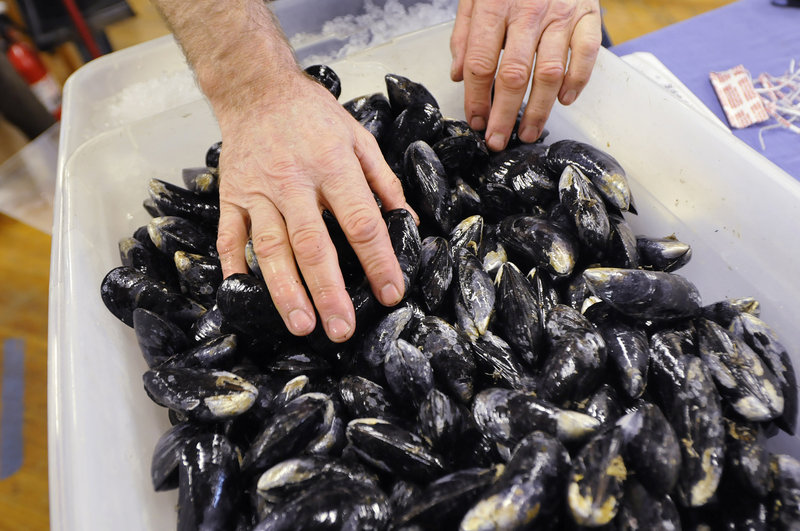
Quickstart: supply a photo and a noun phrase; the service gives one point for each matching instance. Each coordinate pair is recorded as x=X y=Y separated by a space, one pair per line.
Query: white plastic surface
x=740 y=213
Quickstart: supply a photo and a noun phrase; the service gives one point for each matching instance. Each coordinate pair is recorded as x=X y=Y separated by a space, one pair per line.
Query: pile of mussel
x=547 y=369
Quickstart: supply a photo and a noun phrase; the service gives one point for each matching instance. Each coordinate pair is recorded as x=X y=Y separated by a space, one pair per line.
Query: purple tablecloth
x=754 y=33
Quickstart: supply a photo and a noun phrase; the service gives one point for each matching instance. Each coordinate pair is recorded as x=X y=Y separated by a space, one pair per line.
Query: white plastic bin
x=740 y=213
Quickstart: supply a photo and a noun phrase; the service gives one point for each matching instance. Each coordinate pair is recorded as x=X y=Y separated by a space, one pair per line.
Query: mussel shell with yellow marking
x=597 y=478
x=442 y=504
x=651 y=448
x=747 y=384
x=506 y=416
x=604 y=171
x=528 y=492
x=766 y=343
x=539 y=243
x=203 y=394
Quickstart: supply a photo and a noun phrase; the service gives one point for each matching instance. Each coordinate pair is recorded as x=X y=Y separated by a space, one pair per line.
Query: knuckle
x=267 y=244
x=550 y=71
x=534 y=11
x=480 y=65
x=227 y=243
x=308 y=243
x=564 y=9
x=514 y=76
x=362 y=225
x=588 y=46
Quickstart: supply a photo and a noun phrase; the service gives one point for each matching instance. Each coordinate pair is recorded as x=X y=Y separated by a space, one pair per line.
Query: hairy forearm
x=235 y=47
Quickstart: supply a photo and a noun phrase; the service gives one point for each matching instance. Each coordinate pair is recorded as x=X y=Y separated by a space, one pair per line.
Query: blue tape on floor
x=12 y=407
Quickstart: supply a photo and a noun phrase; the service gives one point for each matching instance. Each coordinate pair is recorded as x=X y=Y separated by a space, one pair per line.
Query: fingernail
x=338 y=328
x=496 y=141
x=390 y=295
x=300 y=321
x=569 y=97
x=477 y=123
x=528 y=133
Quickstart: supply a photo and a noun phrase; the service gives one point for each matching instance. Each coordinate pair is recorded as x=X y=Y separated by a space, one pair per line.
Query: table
x=754 y=33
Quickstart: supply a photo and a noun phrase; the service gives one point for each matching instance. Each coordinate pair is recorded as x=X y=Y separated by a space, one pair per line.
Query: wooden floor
x=24 y=259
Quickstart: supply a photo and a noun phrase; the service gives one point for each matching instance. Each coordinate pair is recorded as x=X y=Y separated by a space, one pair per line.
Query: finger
x=486 y=33
x=548 y=75
x=458 y=39
x=362 y=223
x=317 y=259
x=511 y=82
x=232 y=236
x=275 y=258
x=585 y=45
x=380 y=177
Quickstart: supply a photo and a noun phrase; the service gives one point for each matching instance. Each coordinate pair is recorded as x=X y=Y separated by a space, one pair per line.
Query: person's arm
x=289 y=150
x=546 y=29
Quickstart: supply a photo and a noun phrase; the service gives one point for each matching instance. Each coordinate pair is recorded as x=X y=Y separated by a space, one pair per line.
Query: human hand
x=549 y=30
x=287 y=154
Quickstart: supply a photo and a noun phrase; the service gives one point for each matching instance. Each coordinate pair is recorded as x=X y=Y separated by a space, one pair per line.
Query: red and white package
x=736 y=93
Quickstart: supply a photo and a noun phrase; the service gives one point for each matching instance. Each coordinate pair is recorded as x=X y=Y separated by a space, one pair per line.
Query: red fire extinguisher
x=28 y=64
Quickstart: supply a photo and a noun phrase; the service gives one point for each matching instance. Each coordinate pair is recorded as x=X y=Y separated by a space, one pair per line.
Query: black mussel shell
x=443 y=503
x=245 y=304
x=172 y=200
x=603 y=170
x=373 y=112
x=392 y=449
x=474 y=293
x=208 y=484
x=419 y=121
x=435 y=272
x=203 y=394
x=201 y=180
x=326 y=77
x=167 y=454
x=537 y=242
x=215 y=353
x=518 y=312
x=406 y=243
x=587 y=209
x=651 y=448
x=147 y=259
x=528 y=492
x=506 y=416
x=212 y=155
x=364 y=398
x=427 y=184
x=765 y=342
x=158 y=338
x=403 y=92
x=174 y=233
x=663 y=254
x=642 y=294
x=333 y=503
x=292 y=427
x=408 y=373
x=749 y=386
x=450 y=355
x=199 y=276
